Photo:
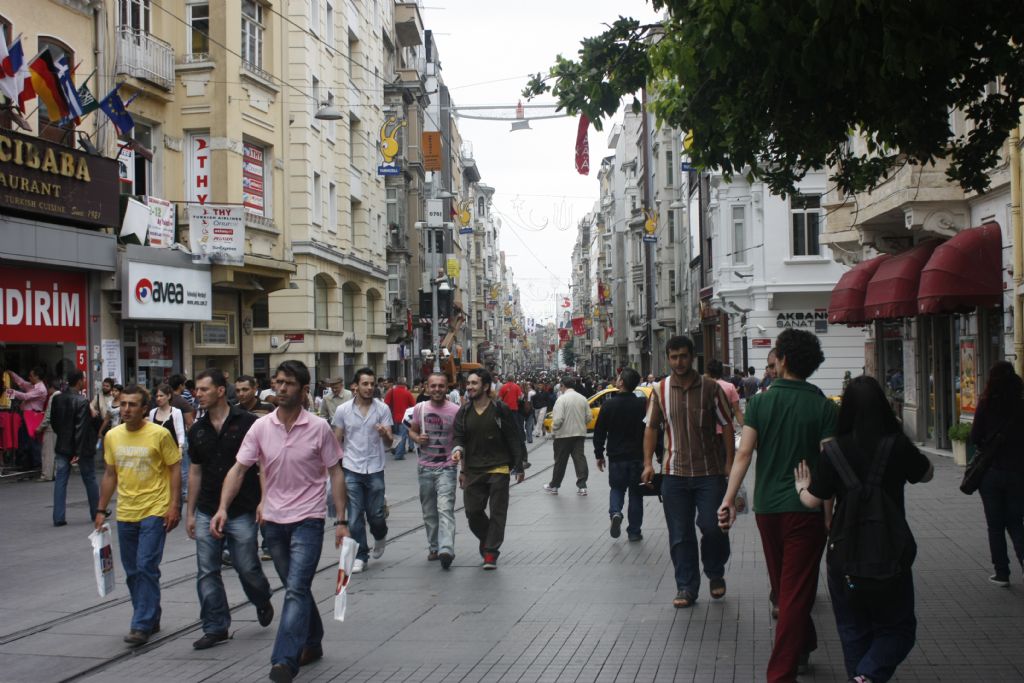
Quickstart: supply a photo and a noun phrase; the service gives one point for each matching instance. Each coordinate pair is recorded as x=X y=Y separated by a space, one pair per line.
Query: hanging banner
x=432 y=151
x=968 y=376
x=216 y=234
x=453 y=267
x=198 y=171
x=650 y=226
x=389 y=146
x=161 y=222
x=464 y=215
x=583 y=146
x=579 y=327
x=253 y=171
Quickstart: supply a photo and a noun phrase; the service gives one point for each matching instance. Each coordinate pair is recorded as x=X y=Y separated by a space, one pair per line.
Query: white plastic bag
x=742 y=501
x=103 y=560
x=349 y=548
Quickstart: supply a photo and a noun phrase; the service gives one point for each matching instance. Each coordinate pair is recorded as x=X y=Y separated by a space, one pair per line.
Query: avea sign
x=157 y=292
x=168 y=293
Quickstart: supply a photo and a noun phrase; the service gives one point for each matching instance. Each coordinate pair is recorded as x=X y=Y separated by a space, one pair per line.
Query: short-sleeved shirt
x=399 y=399
x=510 y=393
x=438 y=423
x=215 y=452
x=691 y=448
x=142 y=458
x=731 y=395
x=364 y=448
x=750 y=386
x=182 y=404
x=906 y=465
x=791 y=421
x=294 y=465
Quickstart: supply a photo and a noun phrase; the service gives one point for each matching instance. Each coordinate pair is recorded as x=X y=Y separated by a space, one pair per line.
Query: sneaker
x=859 y=679
x=265 y=614
x=616 y=529
x=358 y=566
x=209 y=640
x=265 y=554
x=581 y=492
x=137 y=637
x=225 y=558
x=553 y=490
x=633 y=538
x=490 y=561
x=446 y=560
x=432 y=556
x=378 y=547
x=280 y=673
x=999 y=580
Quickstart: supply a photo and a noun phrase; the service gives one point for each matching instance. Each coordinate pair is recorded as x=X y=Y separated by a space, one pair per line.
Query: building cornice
x=345 y=260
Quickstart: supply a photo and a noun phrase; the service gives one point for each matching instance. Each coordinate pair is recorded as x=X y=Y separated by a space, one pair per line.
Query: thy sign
x=435 y=213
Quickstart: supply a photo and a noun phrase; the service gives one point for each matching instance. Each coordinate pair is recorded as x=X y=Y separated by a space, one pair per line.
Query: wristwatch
x=341 y=522
x=105 y=513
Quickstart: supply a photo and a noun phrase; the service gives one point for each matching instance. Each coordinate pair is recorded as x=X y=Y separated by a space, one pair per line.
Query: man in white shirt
x=363 y=428
x=569 y=422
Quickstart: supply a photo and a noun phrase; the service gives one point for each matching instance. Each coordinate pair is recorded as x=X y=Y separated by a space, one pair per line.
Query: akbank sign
x=167 y=293
x=813 y=321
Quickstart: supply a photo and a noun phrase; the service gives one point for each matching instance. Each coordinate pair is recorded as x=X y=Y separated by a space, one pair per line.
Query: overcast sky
x=486 y=51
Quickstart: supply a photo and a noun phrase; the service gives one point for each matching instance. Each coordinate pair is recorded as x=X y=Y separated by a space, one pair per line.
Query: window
x=329 y=29
x=218 y=331
x=394 y=282
x=671 y=226
x=133 y=14
x=198 y=35
x=371 y=313
x=314 y=16
x=332 y=207
x=805 y=211
x=392 y=206
x=315 y=90
x=479 y=320
x=353 y=210
x=476 y=247
x=348 y=309
x=320 y=302
x=261 y=314
x=318 y=199
x=672 y=285
x=135 y=169
x=669 y=171
x=739 y=235
x=354 y=132
x=694 y=216
x=481 y=207
x=252 y=33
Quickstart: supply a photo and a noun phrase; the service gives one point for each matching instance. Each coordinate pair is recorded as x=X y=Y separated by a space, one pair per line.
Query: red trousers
x=793 y=543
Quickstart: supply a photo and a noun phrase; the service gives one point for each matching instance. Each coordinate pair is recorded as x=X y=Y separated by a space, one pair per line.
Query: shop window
x=54 y=132
x=218 y=331
x=805 y=212
x=261 y=314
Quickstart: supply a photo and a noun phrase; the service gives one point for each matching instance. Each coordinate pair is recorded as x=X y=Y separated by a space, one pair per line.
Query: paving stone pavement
x=567 y=602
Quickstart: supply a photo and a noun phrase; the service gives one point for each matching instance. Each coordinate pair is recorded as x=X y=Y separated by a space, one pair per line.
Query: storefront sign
x=111 y=355
x=161 y=222
x=390 y=147
x=435 y=213
x=198 y=181
x=295 y=338
x=167 y=293
x=813 y=321
x=40 y=178
x=216 y=234
x=42 y=306
x=761 y=343
x=968 y=376
x=252 y=179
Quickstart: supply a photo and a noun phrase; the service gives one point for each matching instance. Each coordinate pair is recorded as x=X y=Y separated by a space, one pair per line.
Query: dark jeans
x=87 y=469
x=365 y=497
x=877 y=635
x=480 y=490
x=684 y=498
x=295 y=549
x=142 y=550
x=240 y=540
x=792 y=544
x=566 y=447
x=624 y=475
x=1002 y=495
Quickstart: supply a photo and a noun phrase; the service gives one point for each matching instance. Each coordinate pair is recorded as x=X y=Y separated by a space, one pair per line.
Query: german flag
x=46 y=83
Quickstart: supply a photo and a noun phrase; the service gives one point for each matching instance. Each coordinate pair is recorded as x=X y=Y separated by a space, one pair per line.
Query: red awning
x=847 y=302
x=965 y=272
x=892 y=291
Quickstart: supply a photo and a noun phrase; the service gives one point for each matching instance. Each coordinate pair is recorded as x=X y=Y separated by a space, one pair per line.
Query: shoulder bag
x=982 y=460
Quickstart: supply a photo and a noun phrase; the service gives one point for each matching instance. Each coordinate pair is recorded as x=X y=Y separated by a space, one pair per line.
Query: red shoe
x=490 y=561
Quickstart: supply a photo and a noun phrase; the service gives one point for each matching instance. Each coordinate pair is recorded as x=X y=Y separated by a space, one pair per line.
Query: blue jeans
x=184 y=470
x=1002 y=496
x=531 y=422
x=437 y=498
x=240 y=538
x=624 y=475
x=365 y=497
x=877 y=635
x=296 y=551
x=401 y=433
x=86 y=468
x=684 y=497
x=142 y=550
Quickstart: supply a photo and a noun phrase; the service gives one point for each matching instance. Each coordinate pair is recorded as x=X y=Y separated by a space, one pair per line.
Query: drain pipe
x=1017 y=235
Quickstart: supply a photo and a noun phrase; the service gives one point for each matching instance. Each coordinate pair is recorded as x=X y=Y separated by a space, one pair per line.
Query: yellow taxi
x=595 y=402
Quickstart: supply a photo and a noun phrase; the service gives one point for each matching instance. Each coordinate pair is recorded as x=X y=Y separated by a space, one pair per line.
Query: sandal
x=717 y=588
x=683 y=599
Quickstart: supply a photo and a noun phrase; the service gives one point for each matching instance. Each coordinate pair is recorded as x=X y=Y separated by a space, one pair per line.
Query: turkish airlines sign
x=167 y=293
x=42 y=306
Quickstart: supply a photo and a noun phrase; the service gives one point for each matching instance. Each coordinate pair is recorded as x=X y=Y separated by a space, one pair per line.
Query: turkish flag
x=583 y=146
x=578 y=327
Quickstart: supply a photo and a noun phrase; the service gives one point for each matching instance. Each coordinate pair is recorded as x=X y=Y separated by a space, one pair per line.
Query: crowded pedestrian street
x=568 y=603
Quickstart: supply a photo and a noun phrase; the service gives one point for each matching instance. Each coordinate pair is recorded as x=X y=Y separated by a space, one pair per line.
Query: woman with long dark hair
x=997 y=428
x=877 y=634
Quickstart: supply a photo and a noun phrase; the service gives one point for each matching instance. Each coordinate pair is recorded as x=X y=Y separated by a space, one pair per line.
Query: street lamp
x=437 y=284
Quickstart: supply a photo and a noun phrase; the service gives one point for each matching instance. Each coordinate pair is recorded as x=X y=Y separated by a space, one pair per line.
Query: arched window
x=481 y=207
x=48 y=130
x=321 y=289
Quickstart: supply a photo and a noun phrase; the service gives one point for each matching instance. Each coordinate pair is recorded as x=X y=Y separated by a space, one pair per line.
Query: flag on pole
x=87 y=100
x=67 y=88
x=583 y=146
x=114 y=108
x=15 y=80
x=47 y=86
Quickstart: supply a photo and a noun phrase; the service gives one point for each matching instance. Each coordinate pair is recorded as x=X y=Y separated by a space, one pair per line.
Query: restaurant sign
x=43 y=179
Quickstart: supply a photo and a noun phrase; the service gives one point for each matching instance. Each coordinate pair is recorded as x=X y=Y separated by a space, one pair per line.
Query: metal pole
x=435 y=341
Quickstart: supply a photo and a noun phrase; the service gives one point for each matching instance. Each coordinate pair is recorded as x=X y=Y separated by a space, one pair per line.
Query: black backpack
x=870 y=543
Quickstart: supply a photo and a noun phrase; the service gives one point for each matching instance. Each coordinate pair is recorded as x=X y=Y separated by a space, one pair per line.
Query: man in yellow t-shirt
x=142 y=465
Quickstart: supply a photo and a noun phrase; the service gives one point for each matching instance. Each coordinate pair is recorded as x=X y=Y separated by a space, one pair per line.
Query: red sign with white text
x=42 y=306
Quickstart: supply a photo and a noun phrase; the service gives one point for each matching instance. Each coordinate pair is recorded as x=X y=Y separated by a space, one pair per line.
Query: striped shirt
x=695 y=405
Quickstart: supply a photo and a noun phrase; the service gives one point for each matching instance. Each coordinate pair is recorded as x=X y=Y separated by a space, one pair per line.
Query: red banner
x=563 y=334
x=42 y=306
x=583 y=147
x=579 y=328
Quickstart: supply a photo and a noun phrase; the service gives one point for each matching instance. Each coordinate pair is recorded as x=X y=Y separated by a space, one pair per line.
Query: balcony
x=142 y=56
x=408 y=24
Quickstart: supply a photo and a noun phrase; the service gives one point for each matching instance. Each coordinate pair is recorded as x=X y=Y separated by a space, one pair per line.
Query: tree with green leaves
x=569 y=356
x=775 y=88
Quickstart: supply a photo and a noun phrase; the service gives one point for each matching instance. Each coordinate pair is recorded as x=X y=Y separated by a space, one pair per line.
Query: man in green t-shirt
x=786 y=425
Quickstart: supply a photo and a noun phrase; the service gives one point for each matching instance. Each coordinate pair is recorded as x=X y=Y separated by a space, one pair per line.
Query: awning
x=847 y=303
x=963 y=273
x=892 y=291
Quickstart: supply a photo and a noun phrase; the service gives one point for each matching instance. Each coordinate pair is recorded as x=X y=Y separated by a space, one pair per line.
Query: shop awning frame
x=846 y=305
x=892 y=291
x=964 y=273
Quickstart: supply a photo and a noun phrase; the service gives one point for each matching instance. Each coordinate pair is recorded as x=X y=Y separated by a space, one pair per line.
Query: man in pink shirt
x=33 y=403
x=296 y=451
x=399 y=399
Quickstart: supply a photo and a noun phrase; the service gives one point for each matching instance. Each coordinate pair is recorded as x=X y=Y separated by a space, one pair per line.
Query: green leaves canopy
x=775 y=88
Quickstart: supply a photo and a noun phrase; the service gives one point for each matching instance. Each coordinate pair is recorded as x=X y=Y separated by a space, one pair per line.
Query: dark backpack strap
x=878 y=465
x=835 y=455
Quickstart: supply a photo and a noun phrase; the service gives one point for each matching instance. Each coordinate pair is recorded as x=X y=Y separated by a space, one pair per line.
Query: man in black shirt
x=621 y=422
x=215 y=439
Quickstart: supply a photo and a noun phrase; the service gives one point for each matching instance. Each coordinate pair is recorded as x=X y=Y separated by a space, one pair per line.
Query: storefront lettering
x=800 y=319
x=39 y=307
x=24 y=153
x=15 y=182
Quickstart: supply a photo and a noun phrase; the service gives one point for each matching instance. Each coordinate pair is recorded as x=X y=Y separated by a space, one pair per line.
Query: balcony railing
x=142 y=56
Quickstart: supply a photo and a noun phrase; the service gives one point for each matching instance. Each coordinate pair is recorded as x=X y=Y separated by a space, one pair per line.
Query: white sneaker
x=581 y=492
x=553 y=490
x=378 y=548
x=358 y=567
